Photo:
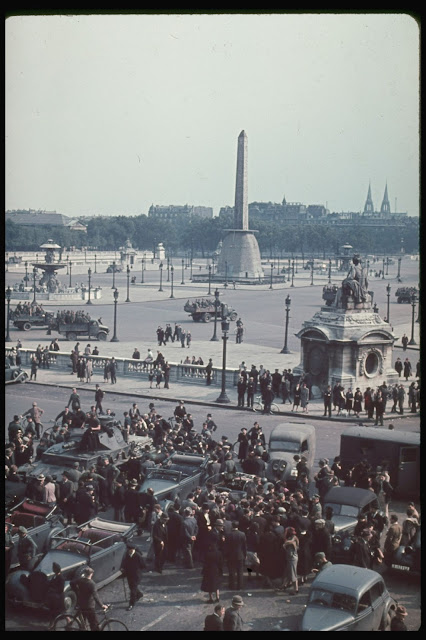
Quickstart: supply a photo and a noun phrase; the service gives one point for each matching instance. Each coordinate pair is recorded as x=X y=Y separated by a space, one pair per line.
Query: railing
x=179 y=372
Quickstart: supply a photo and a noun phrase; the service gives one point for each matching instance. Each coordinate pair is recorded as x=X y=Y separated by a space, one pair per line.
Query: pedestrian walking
x=404 y=341
x=34 y=368
x=132 y=566
x=296 y=397
x=209 y=369
x=398 y=367
x=160 y=541
x=99 y=396
x=113 y=370
x=232 y=620
x=188 y=339
x=89 y=370
x=407 y=369
x=212 y=572
x=327 y=401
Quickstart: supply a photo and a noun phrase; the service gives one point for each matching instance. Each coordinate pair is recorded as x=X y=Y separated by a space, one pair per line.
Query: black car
x=407 y=558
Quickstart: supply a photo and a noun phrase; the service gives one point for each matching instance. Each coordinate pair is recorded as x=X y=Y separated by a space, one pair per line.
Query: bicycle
x=258 y=405
x=77 y=622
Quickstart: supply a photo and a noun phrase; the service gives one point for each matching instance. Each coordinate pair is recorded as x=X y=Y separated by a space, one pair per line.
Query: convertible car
x=14 y=374
x=99 y=543
x=41 y=521
x=176 y=477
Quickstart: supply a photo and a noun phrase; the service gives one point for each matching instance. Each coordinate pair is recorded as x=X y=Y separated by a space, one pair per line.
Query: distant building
x=33 y=218
x=179 y=212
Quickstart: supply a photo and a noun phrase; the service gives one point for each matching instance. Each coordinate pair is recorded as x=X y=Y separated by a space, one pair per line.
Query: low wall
x=127 y=367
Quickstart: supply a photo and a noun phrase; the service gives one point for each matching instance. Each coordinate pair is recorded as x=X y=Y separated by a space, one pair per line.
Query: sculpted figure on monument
x=355 y=285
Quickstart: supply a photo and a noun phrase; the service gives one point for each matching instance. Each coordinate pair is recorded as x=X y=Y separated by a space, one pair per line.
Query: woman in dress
x=291 y=548
x=357 y=402
x=212 y=572
x=304 y=398
x=349 y=399
x=296 y=397
x=89 y=370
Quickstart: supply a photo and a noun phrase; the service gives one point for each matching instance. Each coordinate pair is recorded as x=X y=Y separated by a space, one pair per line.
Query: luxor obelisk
x=239 y=259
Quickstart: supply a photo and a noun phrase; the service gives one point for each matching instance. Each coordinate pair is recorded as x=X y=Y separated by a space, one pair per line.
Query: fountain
x=49 y=267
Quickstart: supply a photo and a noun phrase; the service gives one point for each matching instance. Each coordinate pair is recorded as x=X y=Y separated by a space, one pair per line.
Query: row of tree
x=201 y=237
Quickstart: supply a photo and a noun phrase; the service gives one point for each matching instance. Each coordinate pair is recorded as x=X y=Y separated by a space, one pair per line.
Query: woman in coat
x=291 y=548
x=357 y=402
x=349 y=400
x=212 y=572
x=305 y=559
x=304 y=398
x=81 y=369
x=89 y=369
x=296 y=397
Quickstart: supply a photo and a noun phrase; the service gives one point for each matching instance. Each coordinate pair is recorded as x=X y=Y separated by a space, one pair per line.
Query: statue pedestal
x=351 y=346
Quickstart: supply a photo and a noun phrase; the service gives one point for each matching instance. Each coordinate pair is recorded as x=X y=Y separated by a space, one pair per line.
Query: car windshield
x=325 y=598
x=284 y=445
x=343 y=509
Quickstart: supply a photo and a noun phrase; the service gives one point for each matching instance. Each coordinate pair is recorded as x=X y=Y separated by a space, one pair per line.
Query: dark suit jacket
x=235 y=545
x=213 y=622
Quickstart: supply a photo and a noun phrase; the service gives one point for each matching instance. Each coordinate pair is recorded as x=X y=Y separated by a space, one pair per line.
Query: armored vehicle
x=202 y=309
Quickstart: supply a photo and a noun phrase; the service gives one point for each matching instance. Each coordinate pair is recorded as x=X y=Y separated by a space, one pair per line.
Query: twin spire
x=369 y=206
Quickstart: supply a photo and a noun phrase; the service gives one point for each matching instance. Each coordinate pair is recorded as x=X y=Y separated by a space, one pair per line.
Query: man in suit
x=235 y=549
x=160 y=541
x=232 y=620
x=132 y=566
x=214 y=621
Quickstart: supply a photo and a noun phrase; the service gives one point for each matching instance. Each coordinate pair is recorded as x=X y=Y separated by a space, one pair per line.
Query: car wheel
x=26 y=326
x=206 y=317
x=70 y=601
x=102 y=336
x=71 y=336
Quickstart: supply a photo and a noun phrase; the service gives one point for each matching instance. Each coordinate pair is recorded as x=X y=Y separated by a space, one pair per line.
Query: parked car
x=41 y=521
x=177 y=476
x=347 y=504
x=287 y=440
x=14 y=373
x=117 y=268
x=235 y=488
x=99 y=543
x=346 y=598
x=407 y=558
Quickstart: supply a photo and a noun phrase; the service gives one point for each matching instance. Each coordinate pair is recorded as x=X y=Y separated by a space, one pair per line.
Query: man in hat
x=320 y=562
x=132 y=566
x=160 y=541
x=232 y=620
x=132 y=502
x=214 y=621
x=393 y=538
x=35 y=412
x=36 y=489
x=211 y=424
x=321 y=538
x=27 y=549
x=361 y=550
x=315 y=511
x=236 y=550
x=180 y=411
x=189 y=535
x=398 y=621
x=66 y=496
x=87 y=596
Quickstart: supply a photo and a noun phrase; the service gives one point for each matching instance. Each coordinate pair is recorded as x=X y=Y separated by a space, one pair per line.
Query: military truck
x=73 y=330
x=202 y=309
x=25 y=322
x=404 y=294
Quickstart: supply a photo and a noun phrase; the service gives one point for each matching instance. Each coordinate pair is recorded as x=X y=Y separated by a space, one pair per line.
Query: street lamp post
x=8 y=296
x=143 y=270
x=168 y=269
x=114 y=337
x=128 y=284
x=210 y=279
x=387 y=266
x=312 y=272
x=413 y=313
x=190 y=261
x=34 y=288
x=89 y=272
x=329 y=271
x=113 y=275
x=272 y=270
x=161 y=276
x=183 y=267
x=226 y=273
x=292 y=275
x=285 y=348
x=171 y=284
x=388 y=291
x=214 y=338
x=398 y=275
x=7 y=262
x=95 y=263
x=26 y=273
x=383 y=270
x=223 y=398
x=70 y=265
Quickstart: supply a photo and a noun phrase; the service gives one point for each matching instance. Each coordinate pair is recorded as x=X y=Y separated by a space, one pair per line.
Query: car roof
x=347 y=578
x=291 y=431
x=353 y=496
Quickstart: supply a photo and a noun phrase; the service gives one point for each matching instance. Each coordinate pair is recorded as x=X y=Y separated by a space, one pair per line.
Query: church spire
x=369 y=206
x=385 y=208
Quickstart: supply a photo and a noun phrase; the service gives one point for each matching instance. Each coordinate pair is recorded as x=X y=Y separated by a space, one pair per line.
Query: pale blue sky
x=109 y=114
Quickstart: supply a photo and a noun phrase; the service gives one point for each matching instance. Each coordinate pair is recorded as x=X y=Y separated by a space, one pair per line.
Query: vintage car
x=176 y=477
x=99 y=543
x=235 y=488
x=117 y=268
x=287 y=440
x=203 y=310
x=347 y=504
x=14 y=373
x=407 y=558
x=63 y=455
x=41 y=521
x=346 y=598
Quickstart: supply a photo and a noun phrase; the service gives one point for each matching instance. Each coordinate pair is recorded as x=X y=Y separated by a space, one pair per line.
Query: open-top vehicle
x=14 y=373
x=41 y=520
x=177 y=476
x=203 y=310
x=100 y=544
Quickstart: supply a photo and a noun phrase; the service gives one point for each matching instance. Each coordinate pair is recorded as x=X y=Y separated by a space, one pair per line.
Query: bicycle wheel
x=257 y=406
x=274 y=408
x=65 y=622
x=113 y=625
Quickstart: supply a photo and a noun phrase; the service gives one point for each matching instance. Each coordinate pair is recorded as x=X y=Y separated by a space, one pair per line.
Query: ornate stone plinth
x=350 y=346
